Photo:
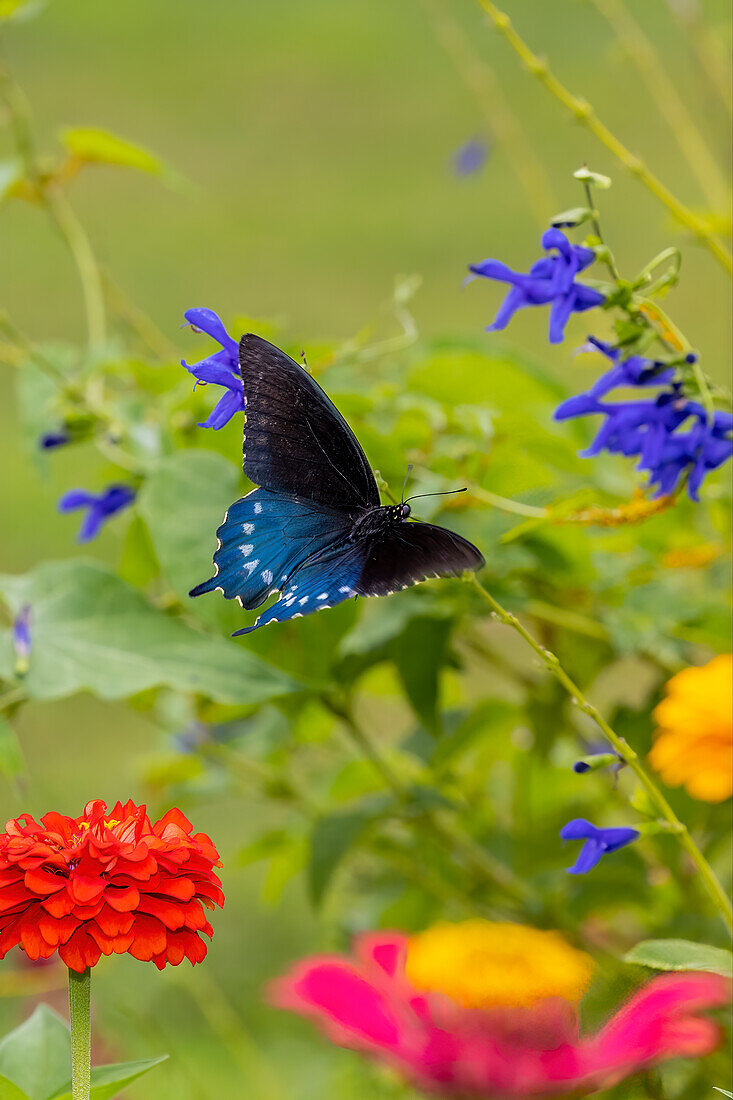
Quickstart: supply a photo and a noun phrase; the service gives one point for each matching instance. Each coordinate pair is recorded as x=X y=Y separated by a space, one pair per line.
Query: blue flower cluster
x=221 y=368
x=671 y=436
x=550 y=281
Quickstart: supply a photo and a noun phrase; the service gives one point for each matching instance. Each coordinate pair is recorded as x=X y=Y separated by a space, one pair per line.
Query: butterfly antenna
x=404 y=484
x=302 y=356
x=447 y=493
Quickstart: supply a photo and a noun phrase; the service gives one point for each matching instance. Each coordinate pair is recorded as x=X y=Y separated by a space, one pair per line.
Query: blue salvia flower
x=649 y=429
x=54 y=439
x=99 y=507
x=22 y=639
x=550 y=281
x=470 y=157
x=221 y=368
x=598 y=842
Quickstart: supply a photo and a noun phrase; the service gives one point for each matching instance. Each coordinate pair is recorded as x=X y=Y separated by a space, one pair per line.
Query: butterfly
x=315 y=530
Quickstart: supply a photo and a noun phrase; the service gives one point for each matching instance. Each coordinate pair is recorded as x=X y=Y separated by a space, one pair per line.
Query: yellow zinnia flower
x=694 y=741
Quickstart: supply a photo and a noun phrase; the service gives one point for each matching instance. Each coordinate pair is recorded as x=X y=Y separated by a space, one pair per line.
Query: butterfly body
x=315 y=530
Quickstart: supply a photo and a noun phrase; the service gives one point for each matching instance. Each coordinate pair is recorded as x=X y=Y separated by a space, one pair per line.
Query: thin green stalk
x=586 y=116
x=81 y=1033
x=80 y=248
x=670 y=103
x=58 y=208
x=627 y=754
x=506 y=504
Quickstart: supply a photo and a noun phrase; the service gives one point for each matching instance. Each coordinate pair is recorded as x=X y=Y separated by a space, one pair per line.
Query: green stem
x=627 y=754
x=81 y=1033
x=58 y=208
x=595 y=217
x=586 y=116
x=73 y=233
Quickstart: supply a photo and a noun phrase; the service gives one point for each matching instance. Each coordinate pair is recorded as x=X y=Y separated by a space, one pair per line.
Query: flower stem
x=586 y=116
x=627 y=754
x=78 y=244
x=81 y=1033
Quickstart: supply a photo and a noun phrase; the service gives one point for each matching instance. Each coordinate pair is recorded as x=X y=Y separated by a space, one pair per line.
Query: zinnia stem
x=624 y=750
x=81 y=1033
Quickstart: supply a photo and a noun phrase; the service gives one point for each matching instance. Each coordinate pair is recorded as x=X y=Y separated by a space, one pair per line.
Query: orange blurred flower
x=107 y=882
x=694 y=741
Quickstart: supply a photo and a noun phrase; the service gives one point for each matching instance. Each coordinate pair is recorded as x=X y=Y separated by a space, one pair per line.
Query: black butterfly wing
x=296 y=441
x=412 y=552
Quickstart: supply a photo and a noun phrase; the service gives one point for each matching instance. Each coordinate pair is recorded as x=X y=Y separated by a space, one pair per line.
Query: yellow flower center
x=481 y=964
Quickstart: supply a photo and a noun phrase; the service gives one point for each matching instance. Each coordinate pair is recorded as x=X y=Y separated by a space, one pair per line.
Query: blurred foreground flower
x=490 y=1011
x=650 y=429
x=549 y=280
x=694 y=742
x=598 y=842
x=220 y=369
x=100 y=507
x=107 y=883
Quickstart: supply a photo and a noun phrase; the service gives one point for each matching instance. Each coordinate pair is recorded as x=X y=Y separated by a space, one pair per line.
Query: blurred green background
x=315 y=139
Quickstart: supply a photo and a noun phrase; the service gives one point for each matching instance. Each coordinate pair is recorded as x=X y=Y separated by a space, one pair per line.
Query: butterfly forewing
x=295 y=439
x=413 y=552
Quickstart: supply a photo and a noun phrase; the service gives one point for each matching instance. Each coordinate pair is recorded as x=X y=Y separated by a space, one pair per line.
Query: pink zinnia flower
x=490 y=1010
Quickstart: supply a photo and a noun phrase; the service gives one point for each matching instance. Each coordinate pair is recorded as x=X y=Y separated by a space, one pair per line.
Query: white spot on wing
x=323 y=596
x=303 y=600
x=257 y=507
x=267 y=576
x=247 y=528
x=250 y=566
x=247 y=549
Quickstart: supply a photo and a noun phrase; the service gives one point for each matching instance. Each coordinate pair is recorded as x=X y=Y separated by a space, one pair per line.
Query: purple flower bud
x=22 y=639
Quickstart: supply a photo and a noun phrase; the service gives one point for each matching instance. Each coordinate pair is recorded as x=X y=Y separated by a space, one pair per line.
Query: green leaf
x=332 y=837
x=91 y=631
x=183 y=503
x=419 y=654
x=11 y=757
x=37 y=1055
x=9 y=1091
x=108 y=1080
x=96 y=146
x=681 y=955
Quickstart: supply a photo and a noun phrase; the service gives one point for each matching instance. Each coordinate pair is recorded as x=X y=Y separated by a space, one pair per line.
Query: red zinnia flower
x=107 y=882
